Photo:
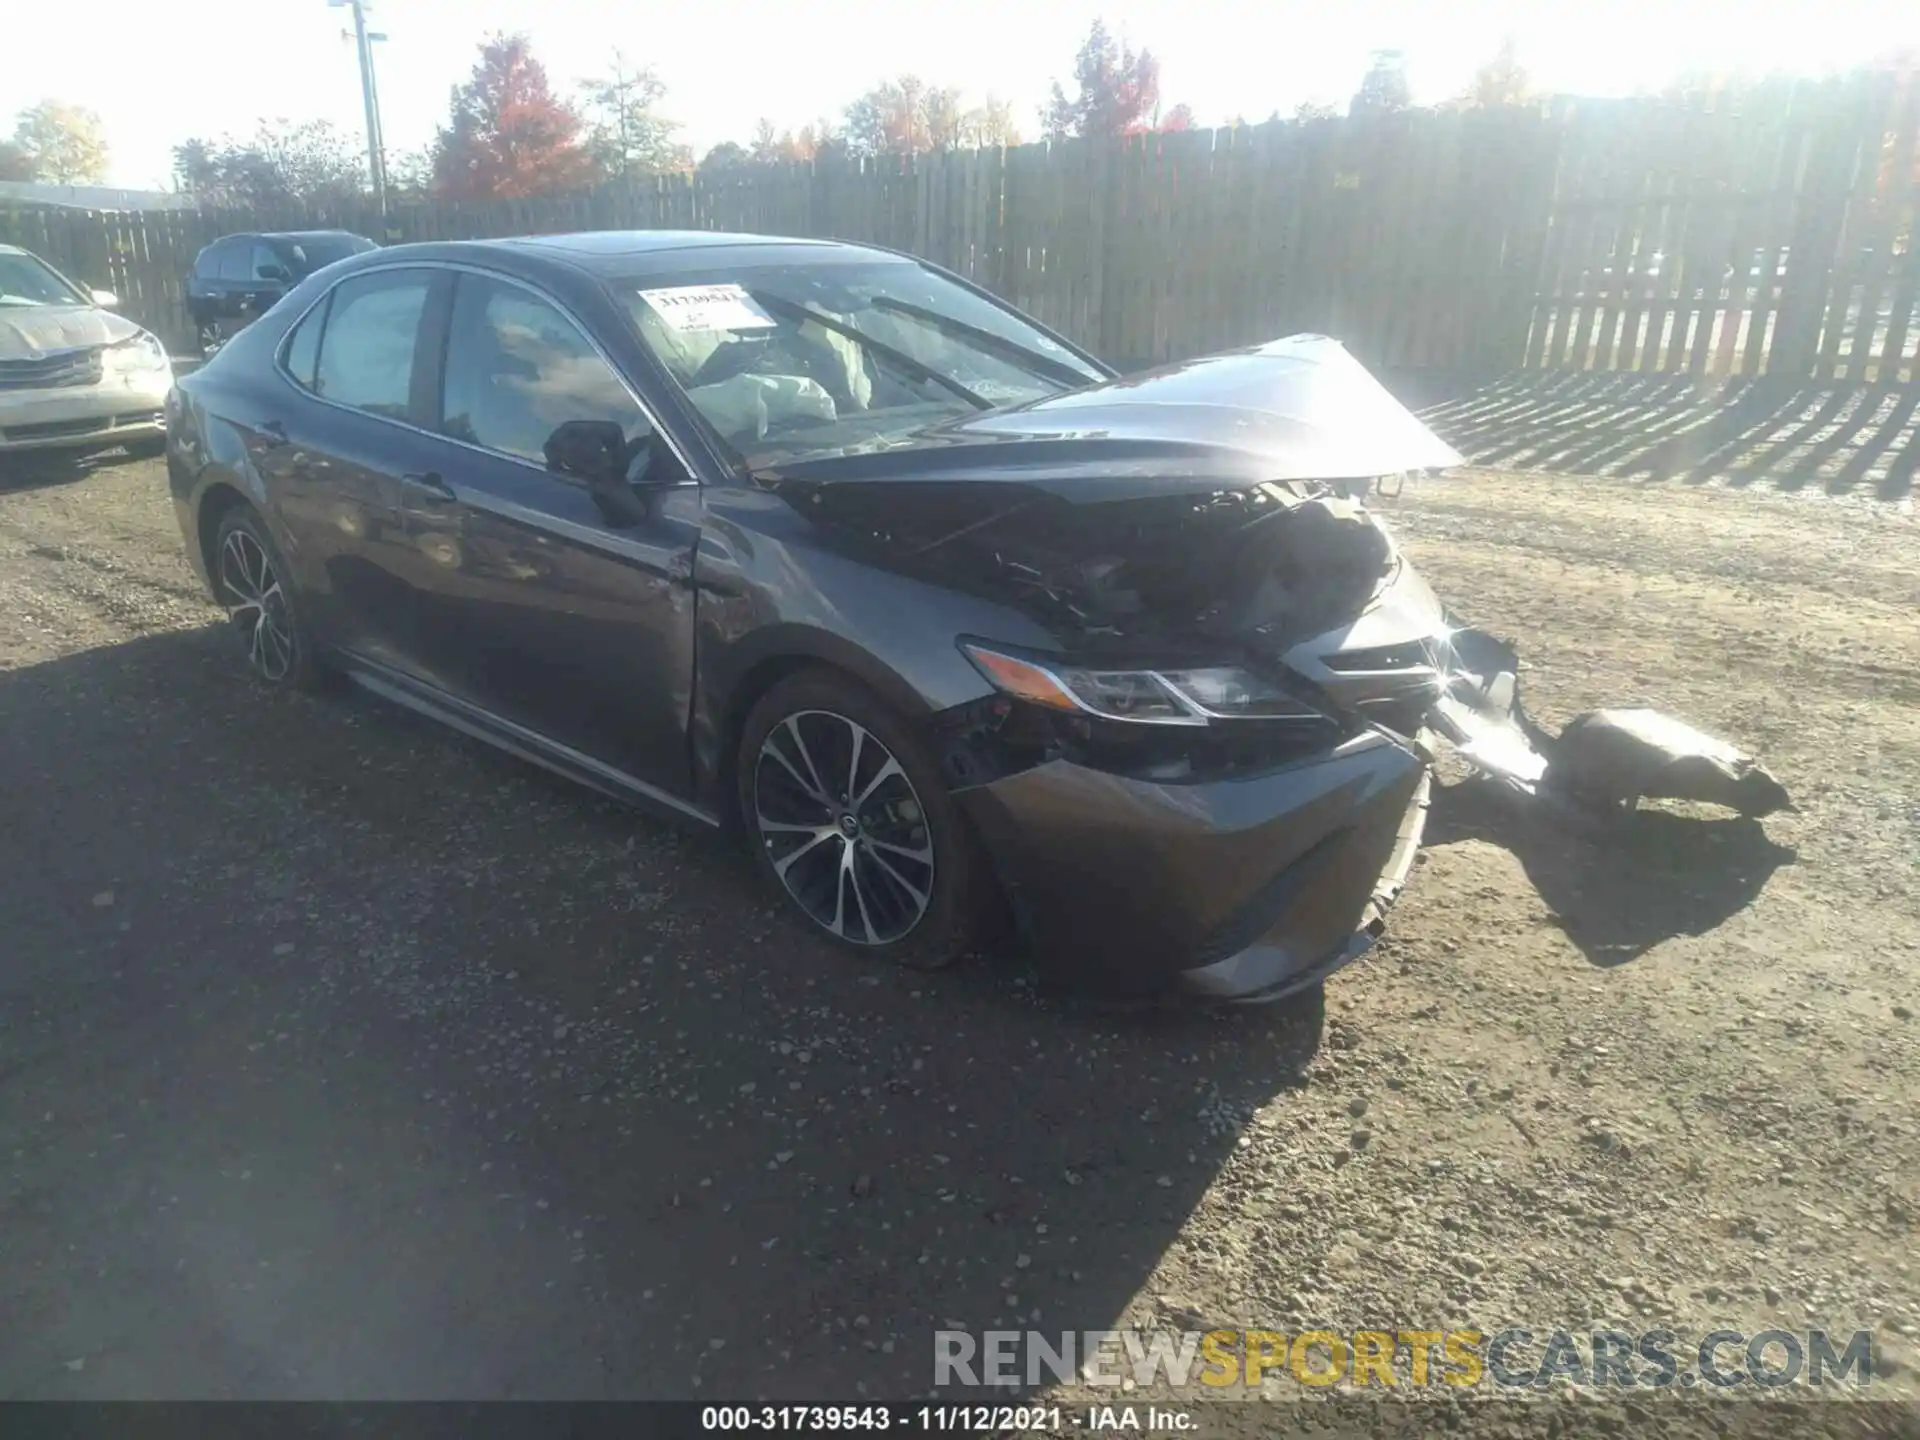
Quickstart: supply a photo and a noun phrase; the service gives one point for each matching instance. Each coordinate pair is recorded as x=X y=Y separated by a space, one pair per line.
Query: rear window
x=306 y=256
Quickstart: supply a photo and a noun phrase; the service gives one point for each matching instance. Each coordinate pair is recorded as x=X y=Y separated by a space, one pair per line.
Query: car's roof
x=310 y=235
x=15 y=250
x=636 y=252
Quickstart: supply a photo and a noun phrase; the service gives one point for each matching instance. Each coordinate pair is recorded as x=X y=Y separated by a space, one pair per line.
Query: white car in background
x=73 y=375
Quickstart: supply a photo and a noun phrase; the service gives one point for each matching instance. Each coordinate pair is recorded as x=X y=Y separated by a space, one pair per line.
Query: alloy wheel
x=210 y=341
x=256 y=604
x=843 y=827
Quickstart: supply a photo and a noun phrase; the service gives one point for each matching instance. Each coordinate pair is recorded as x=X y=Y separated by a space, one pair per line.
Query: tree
x=1179 y=118
x=410 y=174
x=625 y=136
x=1383 y=89
x=988 y=126
x=14 y=164
x=1115 y=88
x=1501 y=81
x=945 y=120
x=507 y=135
x=903 y=117
x=725 y=156
x=62 y=143
x=1313 y=110
x=283 y=163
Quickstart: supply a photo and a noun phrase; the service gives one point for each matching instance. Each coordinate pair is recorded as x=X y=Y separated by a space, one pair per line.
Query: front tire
x=253 y=586
x=851 y=822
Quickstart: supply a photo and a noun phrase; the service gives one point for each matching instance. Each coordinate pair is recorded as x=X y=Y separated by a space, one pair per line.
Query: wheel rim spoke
x=923 y=855
x=883 y=774
x=920 y=897
x=806 y=847
x=256 y=604
x=852 y=862
x=809 y=782
x=853 y=891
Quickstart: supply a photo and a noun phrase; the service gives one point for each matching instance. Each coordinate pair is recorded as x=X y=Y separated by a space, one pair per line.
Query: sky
x=158 y=73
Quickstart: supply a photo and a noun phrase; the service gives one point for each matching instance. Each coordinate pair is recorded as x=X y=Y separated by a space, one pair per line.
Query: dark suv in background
x=237 y=278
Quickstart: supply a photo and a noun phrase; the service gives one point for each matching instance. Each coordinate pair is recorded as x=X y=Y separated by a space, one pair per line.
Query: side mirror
x=105 y=299
x=597 y=452
x=590 y=450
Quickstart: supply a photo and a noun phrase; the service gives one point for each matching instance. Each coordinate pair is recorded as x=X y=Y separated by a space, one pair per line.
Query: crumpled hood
x=1303 y=405
x=1184 y=502
x=30 y=331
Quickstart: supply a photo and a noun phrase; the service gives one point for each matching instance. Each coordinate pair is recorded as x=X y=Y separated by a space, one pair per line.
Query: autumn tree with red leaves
x=1117 y=87
x=508 y=135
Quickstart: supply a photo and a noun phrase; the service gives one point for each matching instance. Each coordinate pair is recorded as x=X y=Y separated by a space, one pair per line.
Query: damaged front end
x=1217 y=772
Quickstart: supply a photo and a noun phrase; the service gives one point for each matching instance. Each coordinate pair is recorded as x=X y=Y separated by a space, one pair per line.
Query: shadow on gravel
x=37 y=469
x=1834 y=437
x=1619 y=891
x=349 y=1059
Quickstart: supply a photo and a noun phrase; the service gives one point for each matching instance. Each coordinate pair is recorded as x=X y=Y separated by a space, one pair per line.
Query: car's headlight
x=142 y=352
x=1148 y=697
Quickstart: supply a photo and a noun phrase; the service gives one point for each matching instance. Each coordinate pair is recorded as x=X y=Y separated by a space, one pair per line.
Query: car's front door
x=567 y=612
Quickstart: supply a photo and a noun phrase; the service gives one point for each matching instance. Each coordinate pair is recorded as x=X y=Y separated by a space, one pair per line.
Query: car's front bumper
x=115 y=409
x=1248 y=888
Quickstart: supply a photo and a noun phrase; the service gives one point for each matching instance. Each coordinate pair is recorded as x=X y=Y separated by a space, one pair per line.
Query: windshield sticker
x=688 y=308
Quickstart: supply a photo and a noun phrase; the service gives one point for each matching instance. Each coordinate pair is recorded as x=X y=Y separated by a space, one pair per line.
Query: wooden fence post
x=1101 y=330
x=1823 y=186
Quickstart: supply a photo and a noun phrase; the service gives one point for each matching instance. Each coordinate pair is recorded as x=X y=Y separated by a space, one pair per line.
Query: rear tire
x=253 y=585
x=850 y=821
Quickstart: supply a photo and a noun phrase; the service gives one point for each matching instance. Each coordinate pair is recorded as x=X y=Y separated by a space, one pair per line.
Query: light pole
x=370 y=98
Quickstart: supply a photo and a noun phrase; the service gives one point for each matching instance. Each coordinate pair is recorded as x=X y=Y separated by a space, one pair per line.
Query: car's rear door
x=360 y=372
x=547 y=607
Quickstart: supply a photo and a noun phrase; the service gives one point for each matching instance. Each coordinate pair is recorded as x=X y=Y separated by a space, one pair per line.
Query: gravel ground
x=340 y=1057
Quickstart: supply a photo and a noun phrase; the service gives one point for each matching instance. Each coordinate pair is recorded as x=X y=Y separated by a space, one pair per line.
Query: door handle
x=429 y=485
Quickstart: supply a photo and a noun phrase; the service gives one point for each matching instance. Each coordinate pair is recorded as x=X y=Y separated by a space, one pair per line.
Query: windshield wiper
x=1032 y=361
x=860 y=337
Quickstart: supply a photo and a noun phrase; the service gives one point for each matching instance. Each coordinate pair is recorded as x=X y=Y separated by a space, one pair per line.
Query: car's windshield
x=791 y=360
x=25 y=280
x=316 y=252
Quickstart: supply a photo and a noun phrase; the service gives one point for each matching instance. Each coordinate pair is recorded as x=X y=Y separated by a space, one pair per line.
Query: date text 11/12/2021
x=943 y=1419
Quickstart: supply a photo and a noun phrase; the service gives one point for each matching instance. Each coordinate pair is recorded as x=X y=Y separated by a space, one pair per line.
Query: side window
x=517 y=369
x=264 y=260
x=208 y=265
x=366 y=355
x=231 y=264
x=303 y=346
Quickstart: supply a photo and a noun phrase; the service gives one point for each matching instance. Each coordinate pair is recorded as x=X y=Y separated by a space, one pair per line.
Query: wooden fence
x=1720 y=238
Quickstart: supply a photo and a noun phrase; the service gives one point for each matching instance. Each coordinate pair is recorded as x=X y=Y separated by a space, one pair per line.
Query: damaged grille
x=1409 y=655
x=61 y=370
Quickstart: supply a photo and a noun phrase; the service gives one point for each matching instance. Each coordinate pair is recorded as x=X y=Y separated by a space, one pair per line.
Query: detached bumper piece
x=1242 y=889
x=1604 y=760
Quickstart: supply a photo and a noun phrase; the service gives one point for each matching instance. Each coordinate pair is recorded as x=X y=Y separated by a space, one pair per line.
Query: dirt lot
x=341 y=1057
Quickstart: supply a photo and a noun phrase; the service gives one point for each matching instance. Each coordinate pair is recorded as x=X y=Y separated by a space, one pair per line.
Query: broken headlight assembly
x=1183 y=696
